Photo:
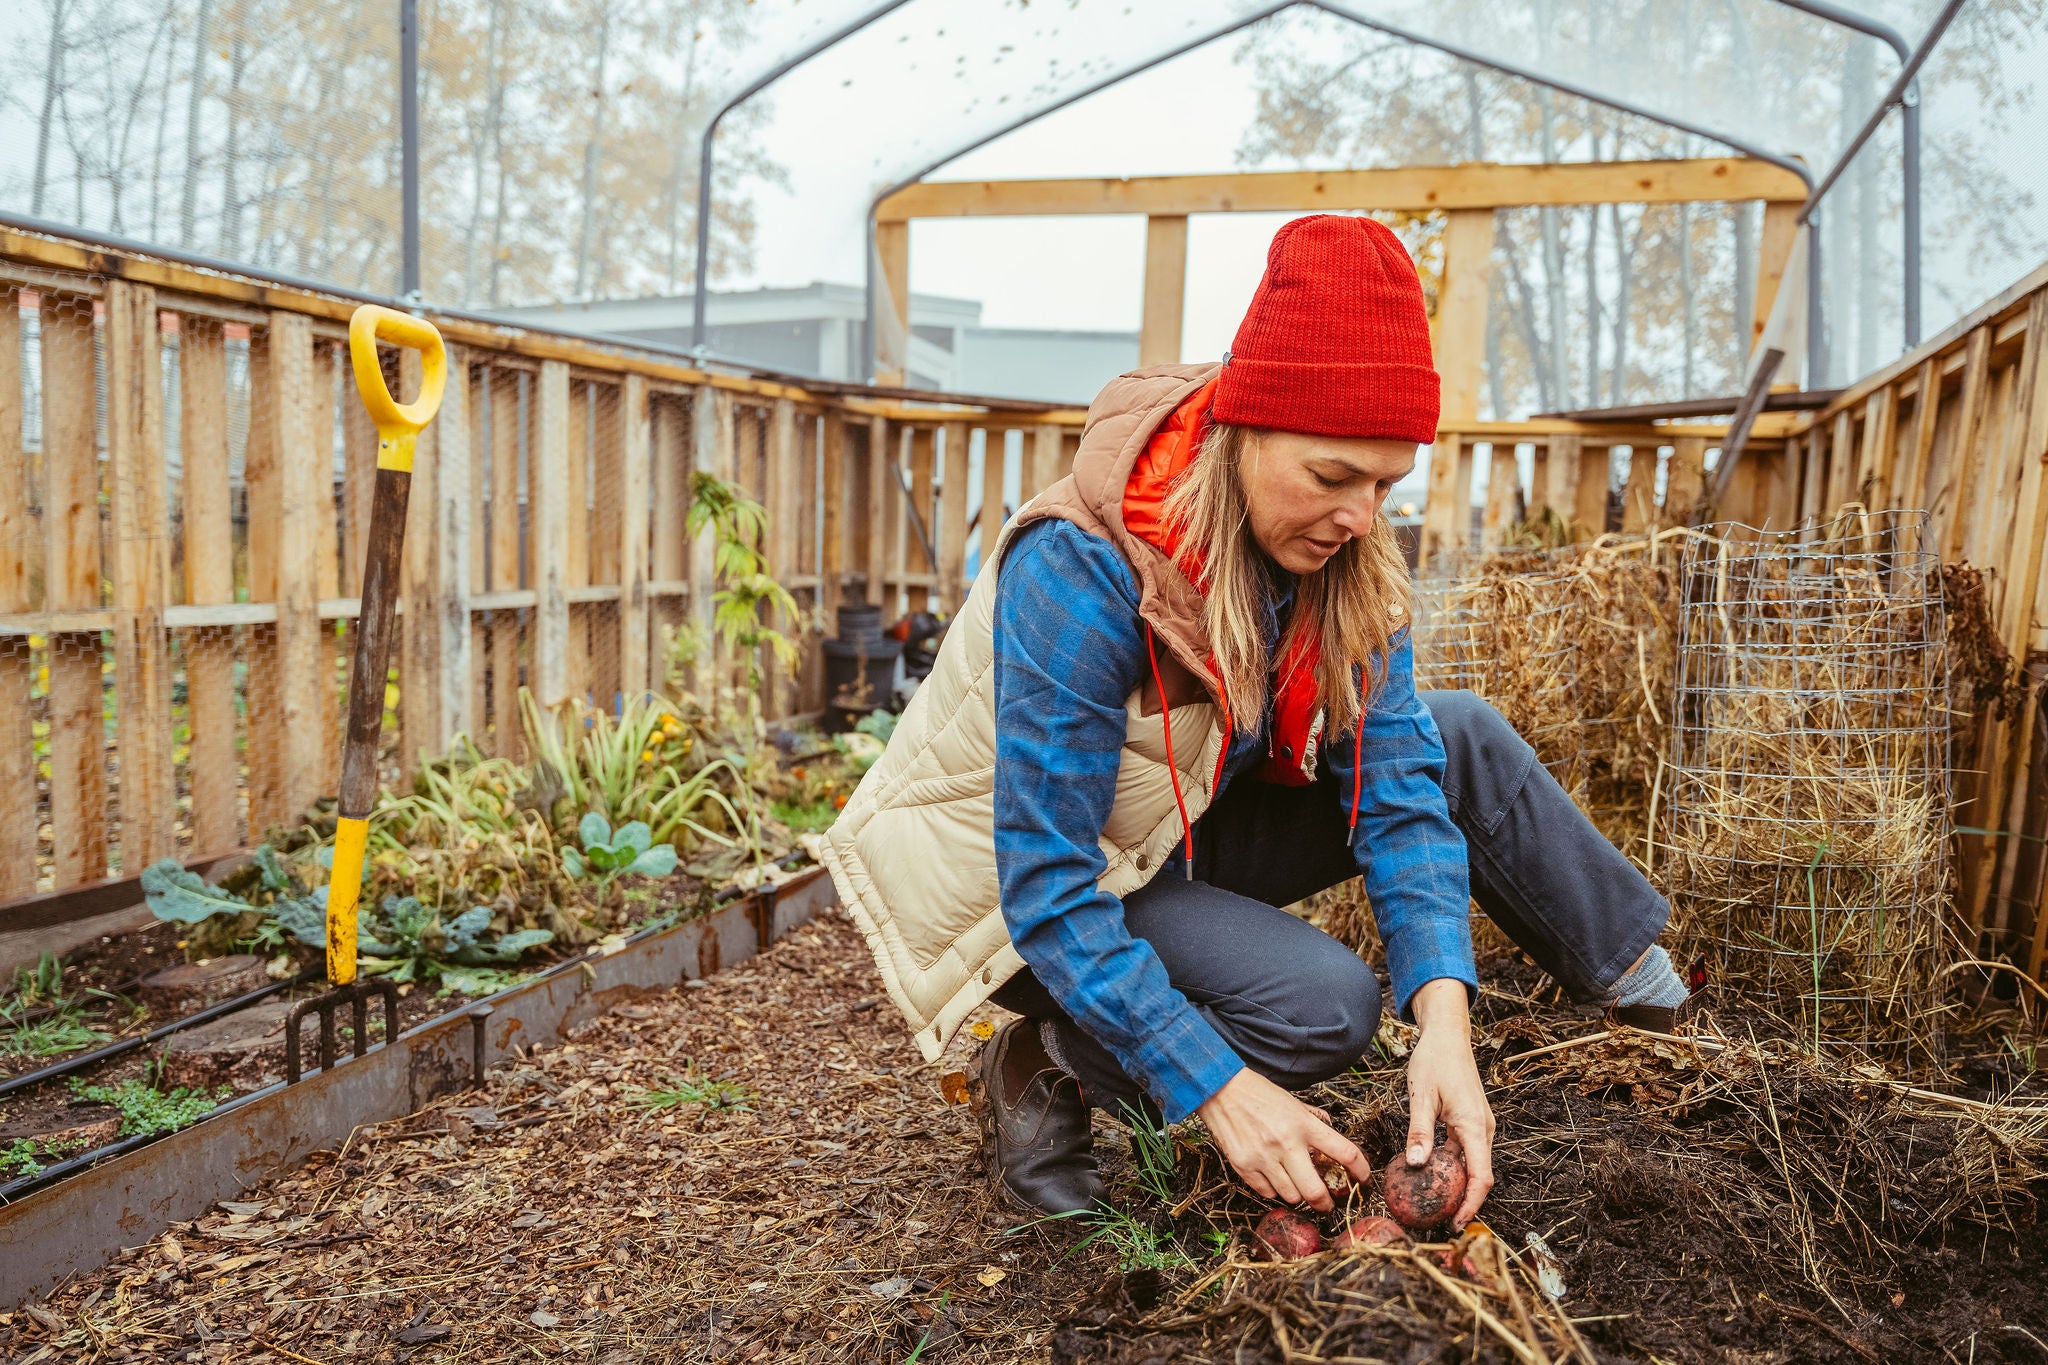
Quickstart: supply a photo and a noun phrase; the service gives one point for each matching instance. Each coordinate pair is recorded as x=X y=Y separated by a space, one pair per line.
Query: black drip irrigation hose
x=116 y=1049
x=70 y=1166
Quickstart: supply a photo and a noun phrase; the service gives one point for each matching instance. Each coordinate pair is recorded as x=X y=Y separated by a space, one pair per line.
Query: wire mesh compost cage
x=1808 y=822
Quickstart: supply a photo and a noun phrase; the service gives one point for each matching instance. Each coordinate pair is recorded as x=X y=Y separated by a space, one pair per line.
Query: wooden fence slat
x=304 y=496
x=548 y=510
x=1445 y=507
x=1874 y=456
x=1503 y=481
x=1909 y=488
x=1042 y=463
x=1590 y=468
x=881 y=501
x=359 y=478
x=209 y=579
x=836 y=472
x=71 y=526
x=336 y=648
x=425 y=663
x=1685 y=480
x=995 y=451
x=576 y=515
x=503 y=560
x=707 y=428
x=17 y=664
x=781 y=495
x=952 y=533
x=1969 y=418
x=1639 y=494
x=631 y=532
x=482 y=438
x=138 y=498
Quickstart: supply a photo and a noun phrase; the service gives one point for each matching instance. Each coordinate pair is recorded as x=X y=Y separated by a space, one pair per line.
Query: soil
x=1704 y=1203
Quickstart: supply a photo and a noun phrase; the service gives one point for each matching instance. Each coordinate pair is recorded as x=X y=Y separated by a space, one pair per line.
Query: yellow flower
x=647 y=755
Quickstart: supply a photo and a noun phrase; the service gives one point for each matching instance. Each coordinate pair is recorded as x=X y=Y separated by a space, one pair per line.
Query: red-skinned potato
x=1286 y=1235
x=1373 y=1230
x=1424 y=1196
x=1336 y=1179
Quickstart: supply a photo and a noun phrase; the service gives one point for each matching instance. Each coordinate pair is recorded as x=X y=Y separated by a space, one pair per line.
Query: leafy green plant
x=748 y=599
x=409 y=941
x=1152 y=1154
x=178 y=896
x=877 y=725
x=21 y=1157
x=692 y=1088
x=818 y=815
x=146 y=1109
x=474 y=981
x=608 y=855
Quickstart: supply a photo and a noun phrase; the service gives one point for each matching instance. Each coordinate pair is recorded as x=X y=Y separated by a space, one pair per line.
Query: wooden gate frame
x=1466 y=194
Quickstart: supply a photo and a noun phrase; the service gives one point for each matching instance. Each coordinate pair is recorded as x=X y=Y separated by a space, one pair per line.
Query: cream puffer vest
x=913 y=854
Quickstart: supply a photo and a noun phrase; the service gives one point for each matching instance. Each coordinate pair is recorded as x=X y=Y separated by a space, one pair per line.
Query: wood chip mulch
x=841 y=1215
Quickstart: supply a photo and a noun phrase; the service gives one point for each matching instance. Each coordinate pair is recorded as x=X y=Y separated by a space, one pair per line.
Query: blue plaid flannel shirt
x=1069 y=651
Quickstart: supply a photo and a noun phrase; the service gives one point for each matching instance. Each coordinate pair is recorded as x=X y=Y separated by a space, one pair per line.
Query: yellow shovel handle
x=397 y=423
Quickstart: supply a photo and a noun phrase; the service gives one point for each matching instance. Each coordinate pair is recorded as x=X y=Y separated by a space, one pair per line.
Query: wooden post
x=1774 y=254
x=881 y=503
x=632 y=535
x=483 y=429
x=952 y=528
x=17 y=663
x=892 y=314
x=1166 y=283
x=71 y=577
x=1447 y=506
x=209 y=581
x=1460 y=332
x=336 y=649
x=139 y=499
x=1639 y=494
x=303 y=497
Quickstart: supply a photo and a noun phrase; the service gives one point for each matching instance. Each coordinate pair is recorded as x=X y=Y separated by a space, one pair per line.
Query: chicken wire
x=1808 y=813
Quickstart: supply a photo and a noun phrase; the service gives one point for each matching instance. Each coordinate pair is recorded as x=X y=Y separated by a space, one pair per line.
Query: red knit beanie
x=1336 y=341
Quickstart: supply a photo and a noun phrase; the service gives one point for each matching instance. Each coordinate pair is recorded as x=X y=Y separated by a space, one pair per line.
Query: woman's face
x=1308 y=495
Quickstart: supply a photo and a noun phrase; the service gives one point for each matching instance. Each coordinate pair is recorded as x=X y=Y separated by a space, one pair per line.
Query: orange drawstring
x=1357 y=770
x=1166 y=725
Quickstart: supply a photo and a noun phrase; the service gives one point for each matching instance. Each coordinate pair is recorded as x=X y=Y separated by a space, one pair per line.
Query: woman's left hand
x=1444 y=1086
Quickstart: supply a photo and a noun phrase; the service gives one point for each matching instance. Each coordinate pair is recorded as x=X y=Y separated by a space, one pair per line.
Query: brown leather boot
x=1034 y=1123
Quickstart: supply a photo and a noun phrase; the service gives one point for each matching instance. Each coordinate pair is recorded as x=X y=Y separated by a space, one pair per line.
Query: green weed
x=41 y=987
x=1152 y=1151
x=146 y=1109
x=692 y=1088
x=816 y=816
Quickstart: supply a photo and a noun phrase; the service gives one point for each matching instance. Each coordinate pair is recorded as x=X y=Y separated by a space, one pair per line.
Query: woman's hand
x=1267 y=1134
x=1444 y=1086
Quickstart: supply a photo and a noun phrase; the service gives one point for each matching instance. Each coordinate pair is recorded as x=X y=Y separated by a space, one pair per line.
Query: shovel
x=398 y=424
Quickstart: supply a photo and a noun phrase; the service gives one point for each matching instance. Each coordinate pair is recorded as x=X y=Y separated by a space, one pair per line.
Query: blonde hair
x=1354 y=604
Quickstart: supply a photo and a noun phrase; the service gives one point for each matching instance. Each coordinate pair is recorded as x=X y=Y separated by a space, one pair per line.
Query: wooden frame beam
x=1419 y=189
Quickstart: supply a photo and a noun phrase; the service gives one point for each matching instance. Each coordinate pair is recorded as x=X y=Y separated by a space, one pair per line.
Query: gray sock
x=1049 y=1039
x=1653 y=981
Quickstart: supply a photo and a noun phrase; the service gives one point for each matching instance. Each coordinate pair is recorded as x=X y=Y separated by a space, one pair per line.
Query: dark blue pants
x=1299 y=1006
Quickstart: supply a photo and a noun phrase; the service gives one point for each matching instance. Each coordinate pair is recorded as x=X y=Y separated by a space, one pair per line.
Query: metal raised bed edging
x=75 y=1226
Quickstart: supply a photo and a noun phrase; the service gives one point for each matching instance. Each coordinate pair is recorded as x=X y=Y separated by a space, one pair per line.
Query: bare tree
x=53 y=78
